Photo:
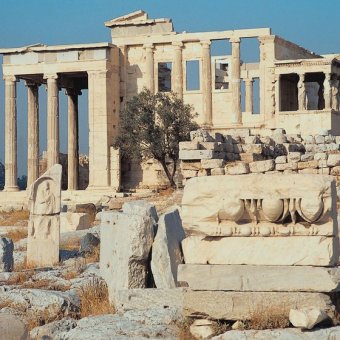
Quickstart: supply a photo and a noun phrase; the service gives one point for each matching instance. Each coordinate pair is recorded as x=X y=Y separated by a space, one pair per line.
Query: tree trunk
x=167 y=172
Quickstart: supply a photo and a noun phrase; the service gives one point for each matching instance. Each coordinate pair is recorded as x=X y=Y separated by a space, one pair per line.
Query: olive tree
x=152 y=125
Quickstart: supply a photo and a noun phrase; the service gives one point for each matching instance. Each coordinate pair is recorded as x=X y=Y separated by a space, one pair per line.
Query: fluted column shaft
x=236 y=81
x=52 y=120
x=32 y=132
x=149 y=68
x=249 y=95
x=11 y=169
x=73 y=139
x=206 y=83
x=177 y=82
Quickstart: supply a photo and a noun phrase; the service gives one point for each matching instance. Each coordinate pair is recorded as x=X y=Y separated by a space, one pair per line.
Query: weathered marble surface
x=166 y=250
x=281 y=334
x=278 y=251
x=230 y=306
x=306 y=318
x=44 y=223
x=12 y=328
x=241 y=305
x=70 y=221
x=259 y=278
x=257 y=204
x=126 y=240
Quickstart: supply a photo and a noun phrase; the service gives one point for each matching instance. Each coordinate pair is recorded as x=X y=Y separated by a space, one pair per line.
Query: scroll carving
x=261 y=205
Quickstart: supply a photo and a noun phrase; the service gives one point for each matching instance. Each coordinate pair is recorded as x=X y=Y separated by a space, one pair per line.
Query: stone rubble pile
x=235 y=247
x=245 y=247
x=243 y=151
x=274 y=245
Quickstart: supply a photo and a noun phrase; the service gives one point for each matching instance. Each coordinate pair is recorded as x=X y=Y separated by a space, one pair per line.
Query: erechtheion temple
x=298 y=89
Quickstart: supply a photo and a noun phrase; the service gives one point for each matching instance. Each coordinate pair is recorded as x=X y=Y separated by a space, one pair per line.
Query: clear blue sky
x=310 y=23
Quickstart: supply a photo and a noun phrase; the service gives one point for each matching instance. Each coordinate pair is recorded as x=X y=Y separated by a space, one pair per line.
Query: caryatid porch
x=73 y=68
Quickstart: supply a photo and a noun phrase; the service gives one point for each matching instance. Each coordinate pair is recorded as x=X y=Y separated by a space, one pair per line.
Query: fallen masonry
x=248 y=246
x=237 y=247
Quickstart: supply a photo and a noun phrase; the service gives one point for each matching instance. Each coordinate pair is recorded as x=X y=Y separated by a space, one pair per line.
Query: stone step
x=219 y=304
x=259 y=278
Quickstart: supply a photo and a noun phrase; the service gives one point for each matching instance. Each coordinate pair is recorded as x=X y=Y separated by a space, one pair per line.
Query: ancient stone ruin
x=250 y=231
x=44 y=222
x=252 y=241
x=294 y=89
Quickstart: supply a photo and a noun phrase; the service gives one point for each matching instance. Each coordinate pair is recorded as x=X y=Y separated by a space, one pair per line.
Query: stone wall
x=241 y=152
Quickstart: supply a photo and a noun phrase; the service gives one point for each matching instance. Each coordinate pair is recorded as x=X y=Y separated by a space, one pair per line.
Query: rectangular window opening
x=164 y=76
x=222 y=74
x=193 y=75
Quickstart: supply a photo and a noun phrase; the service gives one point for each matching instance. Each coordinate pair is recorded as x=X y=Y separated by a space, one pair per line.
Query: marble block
x=259 y=278
x=265 y=251
x=260 y=205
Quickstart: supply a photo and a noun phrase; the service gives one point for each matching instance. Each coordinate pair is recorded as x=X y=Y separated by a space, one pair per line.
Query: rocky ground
x=70 y=300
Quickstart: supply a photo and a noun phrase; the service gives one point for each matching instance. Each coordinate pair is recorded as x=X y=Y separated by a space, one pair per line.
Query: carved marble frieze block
x=260 y=205
x=44 y=223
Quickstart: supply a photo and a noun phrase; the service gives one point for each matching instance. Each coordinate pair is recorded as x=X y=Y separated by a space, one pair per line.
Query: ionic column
x=32 y=132
x=236 y=81
x=73 y=139
x=10 y=134
x=177 y=82
x=52 y=120
x=149 y=68
x=301 y=92
x=327 y=93
x=206 y=83
x=249 y=94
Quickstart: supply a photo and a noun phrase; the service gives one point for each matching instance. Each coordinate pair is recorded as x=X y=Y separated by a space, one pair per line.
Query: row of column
x=327 y=92
x=33 y=131
x=206 y=78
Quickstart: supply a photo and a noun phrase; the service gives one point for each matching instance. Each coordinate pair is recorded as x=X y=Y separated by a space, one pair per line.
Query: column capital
x=235 y=40
x=148 y=46
x=178 y=45
x=248 y=80
x=51 y=76
x=205 y=43
x=10 y=78
x=266 y=38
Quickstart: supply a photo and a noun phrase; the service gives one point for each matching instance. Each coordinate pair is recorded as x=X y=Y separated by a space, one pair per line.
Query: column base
x=11 y=189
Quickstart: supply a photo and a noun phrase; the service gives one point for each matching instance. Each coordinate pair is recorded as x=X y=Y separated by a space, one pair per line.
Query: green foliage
x=152 y=125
